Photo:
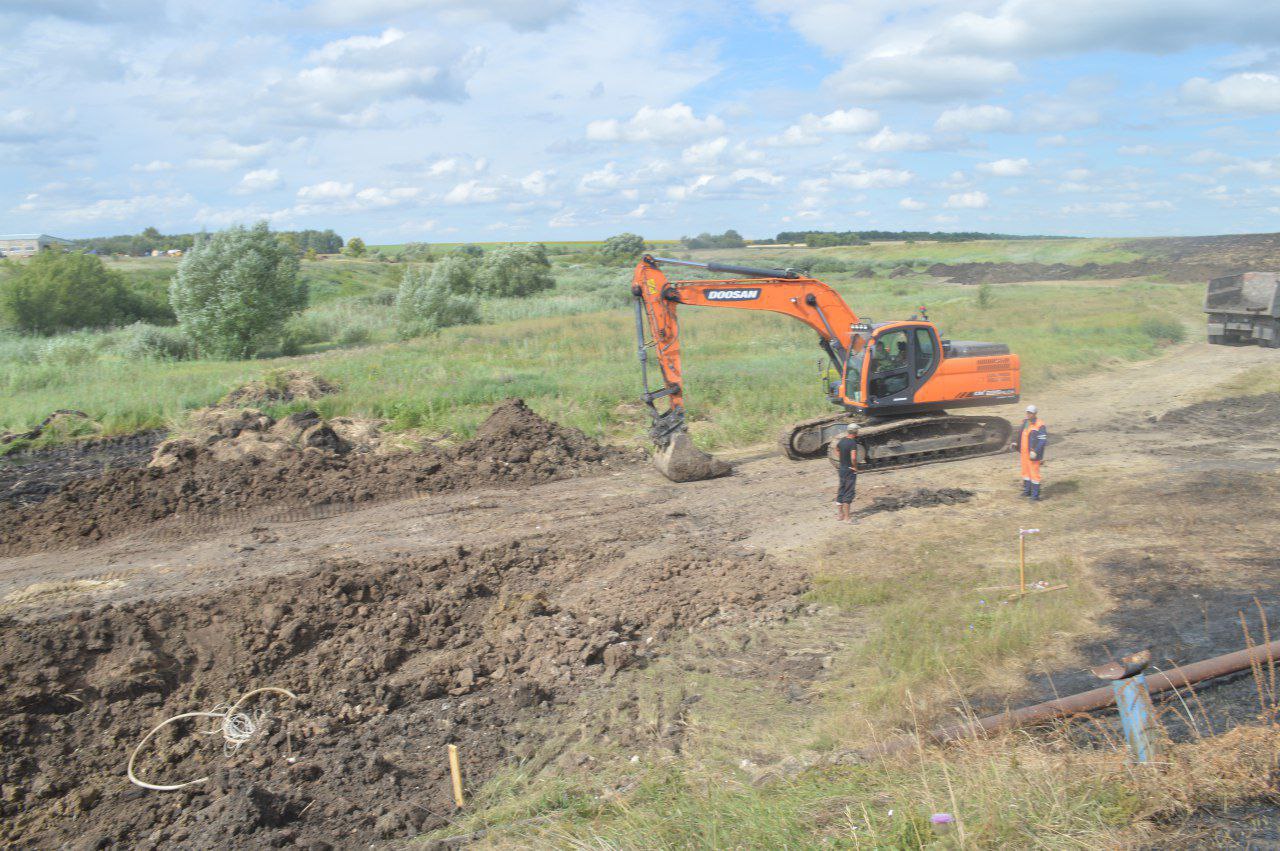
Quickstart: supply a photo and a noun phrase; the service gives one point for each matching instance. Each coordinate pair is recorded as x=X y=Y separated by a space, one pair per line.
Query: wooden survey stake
x=455 y=771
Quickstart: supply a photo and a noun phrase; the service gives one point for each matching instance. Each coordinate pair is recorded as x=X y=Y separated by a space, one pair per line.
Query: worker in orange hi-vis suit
x=1032 y=438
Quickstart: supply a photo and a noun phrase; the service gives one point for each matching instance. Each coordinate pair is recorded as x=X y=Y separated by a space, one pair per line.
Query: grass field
x=570 y=353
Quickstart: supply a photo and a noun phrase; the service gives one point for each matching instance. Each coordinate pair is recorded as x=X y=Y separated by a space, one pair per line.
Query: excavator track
x=899 y=443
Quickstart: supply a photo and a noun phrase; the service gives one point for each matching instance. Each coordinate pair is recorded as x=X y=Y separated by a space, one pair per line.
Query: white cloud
x=1248 y=92
x=879 y=178
x=794 y=136
x=888 y=140
x=984 y=118
x=329 y=190
x=705 y=153
x=968 y=200
x=1135 y=150
x=536 y=182
x=852 y=120
x=336 y=50
x=471 y=192
x=258 y=180
x=518 y=14
x=909 y=75
x=153 y=166
x=687 y=190
x=600 y=180
x=912 y=204
x=675 y=123
x=1007 y=167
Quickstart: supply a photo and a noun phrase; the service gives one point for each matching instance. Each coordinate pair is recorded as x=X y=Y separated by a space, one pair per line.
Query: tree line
x=150 y=239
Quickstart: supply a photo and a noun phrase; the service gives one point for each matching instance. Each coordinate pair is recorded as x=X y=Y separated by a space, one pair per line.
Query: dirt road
x=769 y=504
x=460 y=616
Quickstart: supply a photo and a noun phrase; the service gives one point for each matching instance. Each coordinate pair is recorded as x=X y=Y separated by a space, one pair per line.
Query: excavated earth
x=390 y=661
x=513 y=446
x=32 y=475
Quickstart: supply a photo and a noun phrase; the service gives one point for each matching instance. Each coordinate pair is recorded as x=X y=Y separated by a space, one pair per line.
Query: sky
x=491 y=120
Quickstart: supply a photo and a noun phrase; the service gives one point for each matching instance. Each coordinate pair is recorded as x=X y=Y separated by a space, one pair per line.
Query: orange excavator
x=896 y=379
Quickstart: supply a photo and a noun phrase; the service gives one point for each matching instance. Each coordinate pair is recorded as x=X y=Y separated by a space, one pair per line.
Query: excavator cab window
x=926 y=352
x=890 y=365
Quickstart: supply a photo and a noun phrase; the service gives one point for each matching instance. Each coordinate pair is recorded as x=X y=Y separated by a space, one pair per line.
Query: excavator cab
x=897 y=359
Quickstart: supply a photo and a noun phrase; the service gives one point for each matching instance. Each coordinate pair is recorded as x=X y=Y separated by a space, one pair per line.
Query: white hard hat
x=851 y=427
x=1031 y=409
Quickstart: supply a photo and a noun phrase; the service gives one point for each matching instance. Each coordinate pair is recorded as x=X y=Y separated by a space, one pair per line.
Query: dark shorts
x=848 y=485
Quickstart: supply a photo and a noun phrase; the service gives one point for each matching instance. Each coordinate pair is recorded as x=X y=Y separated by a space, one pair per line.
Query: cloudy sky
x=444 y=120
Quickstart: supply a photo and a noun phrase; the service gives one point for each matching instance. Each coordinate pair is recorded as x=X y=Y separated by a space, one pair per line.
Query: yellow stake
x=456 y=771
x=1022 y=563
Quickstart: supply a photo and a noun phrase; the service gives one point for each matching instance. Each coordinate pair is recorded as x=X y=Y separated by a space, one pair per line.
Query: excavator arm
x=774 y=290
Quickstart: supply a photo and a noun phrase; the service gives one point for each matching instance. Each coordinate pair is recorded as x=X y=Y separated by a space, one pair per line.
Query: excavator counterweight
x=898 y=379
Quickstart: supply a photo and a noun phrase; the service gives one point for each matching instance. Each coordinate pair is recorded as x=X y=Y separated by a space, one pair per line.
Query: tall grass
x=570 y=352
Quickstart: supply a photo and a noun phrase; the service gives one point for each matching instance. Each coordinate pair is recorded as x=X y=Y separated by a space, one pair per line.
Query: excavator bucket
x=681 y=461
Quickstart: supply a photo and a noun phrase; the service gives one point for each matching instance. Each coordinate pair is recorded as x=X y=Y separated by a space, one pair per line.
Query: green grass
x=570 y=353
x=1075 y=251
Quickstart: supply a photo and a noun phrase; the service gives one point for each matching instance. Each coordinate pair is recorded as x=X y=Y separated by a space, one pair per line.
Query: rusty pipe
x=1085 y=701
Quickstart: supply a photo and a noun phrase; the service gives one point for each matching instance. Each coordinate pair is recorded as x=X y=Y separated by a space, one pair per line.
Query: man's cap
x=1031 y=409
x=851 y=427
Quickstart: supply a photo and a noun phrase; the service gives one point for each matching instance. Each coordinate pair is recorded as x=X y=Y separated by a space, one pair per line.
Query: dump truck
x=1244 y=310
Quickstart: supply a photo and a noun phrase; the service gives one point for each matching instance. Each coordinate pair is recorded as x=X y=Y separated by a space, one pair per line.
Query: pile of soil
x=31 y=475
x=1007 y=273
x=919 y=498
x=246 y=467
x=514 y=442
x=278 y=389
x=391 y=662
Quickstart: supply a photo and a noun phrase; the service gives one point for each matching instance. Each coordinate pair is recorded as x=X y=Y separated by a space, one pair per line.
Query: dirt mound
x=919 y=498
x=515 y=441
x=277 y=388
x=1232 y=416
x=29 y=476
x=247 y=460
x=392 y=661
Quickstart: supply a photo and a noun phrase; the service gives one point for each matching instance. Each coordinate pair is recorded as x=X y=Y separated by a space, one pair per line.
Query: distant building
x=27 y=244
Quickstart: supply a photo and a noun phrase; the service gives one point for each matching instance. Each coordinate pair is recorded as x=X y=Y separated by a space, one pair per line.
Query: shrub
x=148 y=342
x=473 y=251
x=1164 y=329
x=355 y=335
x=63 y=292
x=68 y=351
x=456 y=273
x=986 y=296
x=623 y=248
x=355 y=247
x=233 y=292
x=515 y=271
x=828 y=265
x=426 y=303
x=306 y=328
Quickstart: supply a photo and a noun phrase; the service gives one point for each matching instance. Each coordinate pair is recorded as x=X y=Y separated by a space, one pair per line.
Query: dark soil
x=514 y=445
x=1007 y=273
x=31 y=475
x=919 y=498
x=391 y=661
x=1232 y=416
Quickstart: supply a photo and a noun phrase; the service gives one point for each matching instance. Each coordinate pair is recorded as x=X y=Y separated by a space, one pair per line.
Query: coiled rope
x=237 y=728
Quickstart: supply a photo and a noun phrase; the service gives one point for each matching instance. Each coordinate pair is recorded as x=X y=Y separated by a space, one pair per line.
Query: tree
x=469 y=250
x=355 y=247
x=623 y=247
x=515 y=271
x=728 y=239
x=61 y=292
x=427 y=301
x=233 y=293
x=416 y=252
x=456 y=274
